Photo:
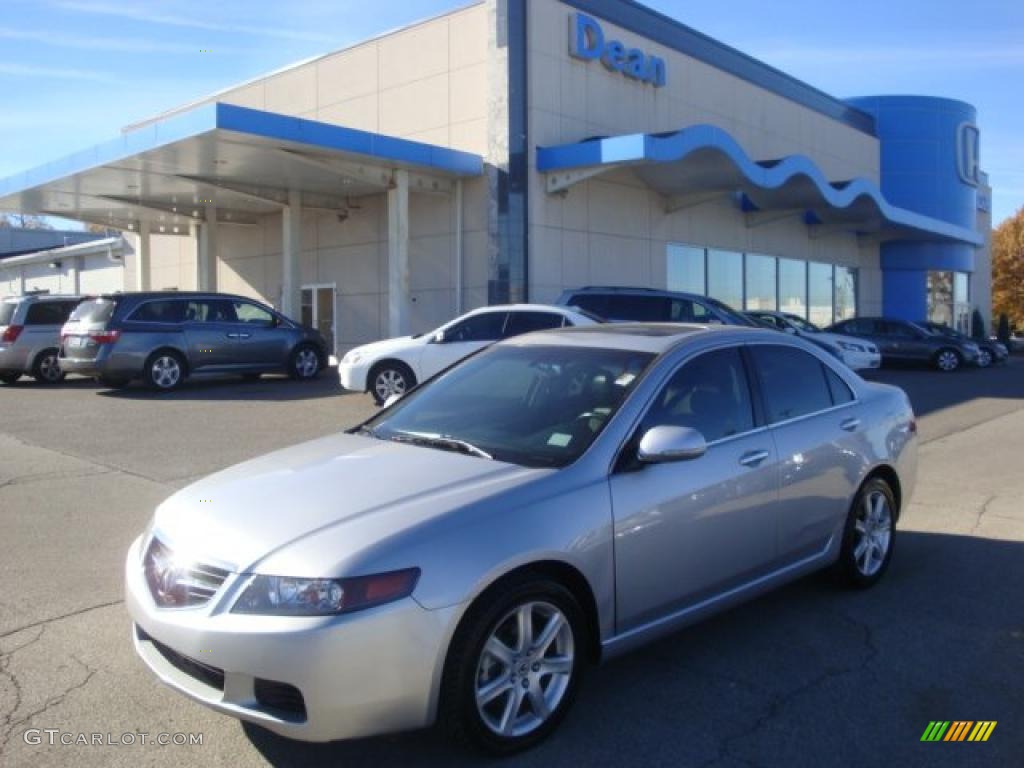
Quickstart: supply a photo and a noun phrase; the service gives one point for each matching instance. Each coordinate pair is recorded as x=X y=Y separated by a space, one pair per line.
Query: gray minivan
x=30 y=336
x=164 y=337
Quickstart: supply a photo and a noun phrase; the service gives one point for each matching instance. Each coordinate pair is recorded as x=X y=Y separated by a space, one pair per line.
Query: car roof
x=561 y=310
x=634 y=290
x=145 y=295
x=656 y=338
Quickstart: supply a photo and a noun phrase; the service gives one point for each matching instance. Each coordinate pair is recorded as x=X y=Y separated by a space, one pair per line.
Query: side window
x=487 y=326
x=792 y=381
x=862 y=327
x=900 y=331
x=247 y=312
x=687 y=311
x=157 y=312
x=524 y=322
x=209 y=311
x=641 y=309
x=45 y=313
x=839 y=389
x=710 y=394
x=592 y=302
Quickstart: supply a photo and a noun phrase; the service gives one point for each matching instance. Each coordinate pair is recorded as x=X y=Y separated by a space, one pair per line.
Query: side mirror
x=664 y=444
x=438 y=337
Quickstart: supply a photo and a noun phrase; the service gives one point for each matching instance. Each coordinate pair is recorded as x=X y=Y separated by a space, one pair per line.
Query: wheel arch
x=391 y=360
x=887 y=473
x=164 y=348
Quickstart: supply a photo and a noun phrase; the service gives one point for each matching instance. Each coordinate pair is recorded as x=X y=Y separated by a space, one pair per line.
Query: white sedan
x=394 y=366
x=859 y=354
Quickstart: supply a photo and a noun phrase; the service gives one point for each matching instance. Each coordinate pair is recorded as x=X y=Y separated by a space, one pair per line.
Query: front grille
x=179 y=585
x=204 y=673
x=283 y=698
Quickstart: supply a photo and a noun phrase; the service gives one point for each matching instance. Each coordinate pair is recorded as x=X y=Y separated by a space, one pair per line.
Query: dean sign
x=587 y=42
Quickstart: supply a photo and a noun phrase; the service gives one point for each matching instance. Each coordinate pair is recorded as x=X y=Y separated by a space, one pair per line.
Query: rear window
x=7 y=311
x=641 y=309
x=48 y=313
x=94 y=311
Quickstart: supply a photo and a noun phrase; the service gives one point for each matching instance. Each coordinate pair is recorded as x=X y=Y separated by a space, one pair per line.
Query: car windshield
x=93 y=311
x=7 y=311
x=735 y=318
x=537 y=406
x=803 y=325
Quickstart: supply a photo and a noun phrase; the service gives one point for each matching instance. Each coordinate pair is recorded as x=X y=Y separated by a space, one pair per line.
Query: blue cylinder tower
x=929 y=165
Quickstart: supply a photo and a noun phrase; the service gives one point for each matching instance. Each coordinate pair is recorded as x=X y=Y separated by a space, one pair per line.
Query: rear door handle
x=850 y=424
x=242 y=335
x=753 y=458
x=232 y=335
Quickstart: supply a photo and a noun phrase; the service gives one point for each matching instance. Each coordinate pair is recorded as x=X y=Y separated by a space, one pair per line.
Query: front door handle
x=850 y=424
x=753 y=458
x=232 y=335
x=242 y=335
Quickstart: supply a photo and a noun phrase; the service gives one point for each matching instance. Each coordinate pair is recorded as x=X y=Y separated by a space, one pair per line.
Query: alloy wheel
x=165 y=372
x=948 y=360
x=524 y=669
x=873 y=529
x=49 y=369
x=984 y=358
x=306 y=363
x=389 y=382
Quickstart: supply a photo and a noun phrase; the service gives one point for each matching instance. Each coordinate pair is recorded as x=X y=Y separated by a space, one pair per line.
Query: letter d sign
x=968 y=154
x=586 y=39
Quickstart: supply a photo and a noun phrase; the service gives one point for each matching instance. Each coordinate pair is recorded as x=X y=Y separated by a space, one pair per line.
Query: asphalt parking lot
x=808 y=676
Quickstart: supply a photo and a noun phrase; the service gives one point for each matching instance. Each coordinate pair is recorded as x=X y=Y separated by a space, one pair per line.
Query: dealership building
x=511 y=149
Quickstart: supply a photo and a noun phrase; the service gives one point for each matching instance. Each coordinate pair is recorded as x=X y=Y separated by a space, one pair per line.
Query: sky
x=74 y=72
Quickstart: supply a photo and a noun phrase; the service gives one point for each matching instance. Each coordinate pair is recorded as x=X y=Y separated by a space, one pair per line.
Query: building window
x=793 y=287
x=686 y=271
x=962 y=302
x=819 y=294
x=846 y=293
x=725 y=277
x=940 y=297
x=761 y=286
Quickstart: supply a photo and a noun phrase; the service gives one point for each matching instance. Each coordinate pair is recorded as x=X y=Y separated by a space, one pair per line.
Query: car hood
x=391 y=346
x=272 y=511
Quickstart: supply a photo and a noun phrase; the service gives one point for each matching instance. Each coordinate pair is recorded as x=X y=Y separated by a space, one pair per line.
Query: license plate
x=76 y=342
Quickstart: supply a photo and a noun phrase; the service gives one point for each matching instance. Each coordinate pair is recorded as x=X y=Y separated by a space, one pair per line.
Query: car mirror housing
x=664 y=444
x=438 y=337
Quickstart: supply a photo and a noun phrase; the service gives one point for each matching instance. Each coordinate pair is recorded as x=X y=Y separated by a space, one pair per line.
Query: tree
x=23 y=221
x=1008 y=269
x=977 y=325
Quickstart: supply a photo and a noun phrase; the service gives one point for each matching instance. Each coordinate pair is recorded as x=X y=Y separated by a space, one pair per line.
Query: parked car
x=904 y=342
x=394 y=366
x=555 y=500
x=164 y=337
x=989 y=350
x=30 y=336
x=859 y=354
x=648 y=305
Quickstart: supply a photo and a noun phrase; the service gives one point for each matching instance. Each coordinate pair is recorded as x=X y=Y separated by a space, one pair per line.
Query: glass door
x=318 y=311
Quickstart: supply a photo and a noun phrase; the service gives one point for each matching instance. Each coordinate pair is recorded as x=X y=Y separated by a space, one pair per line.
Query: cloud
x=58 y=73
x=156 y=16
x=94 y=43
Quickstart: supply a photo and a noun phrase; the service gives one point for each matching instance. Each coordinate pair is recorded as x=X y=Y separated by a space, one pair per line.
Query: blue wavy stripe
x=640 y=148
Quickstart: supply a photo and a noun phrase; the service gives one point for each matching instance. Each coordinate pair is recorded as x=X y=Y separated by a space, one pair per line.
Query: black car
x=990 y=351
x=164 y=337
x=901 y=341
x=649 y=305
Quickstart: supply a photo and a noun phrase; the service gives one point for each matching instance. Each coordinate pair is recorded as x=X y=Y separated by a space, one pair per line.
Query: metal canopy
x=241 y=163
x=703 y=163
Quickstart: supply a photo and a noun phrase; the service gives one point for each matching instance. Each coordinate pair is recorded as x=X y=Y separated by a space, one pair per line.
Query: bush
x=977 y=326
x=1004 y=330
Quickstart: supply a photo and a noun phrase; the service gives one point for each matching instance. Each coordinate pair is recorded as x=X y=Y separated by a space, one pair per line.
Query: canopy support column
x=398 y=255
x=291 y=254
x=206 y=271
x=143 y=260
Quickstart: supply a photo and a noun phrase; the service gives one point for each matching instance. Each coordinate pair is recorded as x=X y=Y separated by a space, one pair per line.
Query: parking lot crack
x=982 y=510
x=60 y=617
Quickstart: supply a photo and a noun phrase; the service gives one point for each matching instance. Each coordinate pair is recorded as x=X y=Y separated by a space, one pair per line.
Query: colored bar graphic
x=935 y=730
x=958 y=730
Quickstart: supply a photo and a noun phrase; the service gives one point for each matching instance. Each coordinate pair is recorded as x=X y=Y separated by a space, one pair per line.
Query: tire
x=510 y=721
x=9 y=378
x=984 y=358
x=392 y=377
x=110 y=383
x=46 y=367
x=305 y=363
x=165 y=370
x=872 y=519
x=947 y=360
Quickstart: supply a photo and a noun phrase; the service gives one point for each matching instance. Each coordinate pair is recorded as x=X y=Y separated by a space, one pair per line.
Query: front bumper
x=367 y=673
x=860 y=361
x=353 y=375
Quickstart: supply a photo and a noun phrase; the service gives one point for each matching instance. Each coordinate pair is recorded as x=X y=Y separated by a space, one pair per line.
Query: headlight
x=352 y=357
x=850 y=347
x=285 y=596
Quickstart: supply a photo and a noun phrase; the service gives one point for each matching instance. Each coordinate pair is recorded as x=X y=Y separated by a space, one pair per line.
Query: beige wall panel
x=467 y=37
x=470 y=136
x=359 y=112
x=293 y=92
x=468 y=93
x=348 y=74
x=414 y=54
x=415 y=107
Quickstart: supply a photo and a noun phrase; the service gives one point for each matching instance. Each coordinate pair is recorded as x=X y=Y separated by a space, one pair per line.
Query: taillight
x=105 y=337
x=12 y=333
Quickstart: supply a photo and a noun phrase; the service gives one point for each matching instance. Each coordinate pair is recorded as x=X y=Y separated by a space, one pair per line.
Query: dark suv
x=162 y=338
x=903 y=341
x=648 y=305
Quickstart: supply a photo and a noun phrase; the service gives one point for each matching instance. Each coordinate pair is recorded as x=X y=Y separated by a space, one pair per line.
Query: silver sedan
x=553 y=501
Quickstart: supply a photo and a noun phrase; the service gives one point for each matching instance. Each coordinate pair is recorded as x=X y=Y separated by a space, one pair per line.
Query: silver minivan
x=30 y=336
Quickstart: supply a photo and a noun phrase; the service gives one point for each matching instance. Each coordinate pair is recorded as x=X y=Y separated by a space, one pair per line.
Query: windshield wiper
x=368 y=431
x=441 y=441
